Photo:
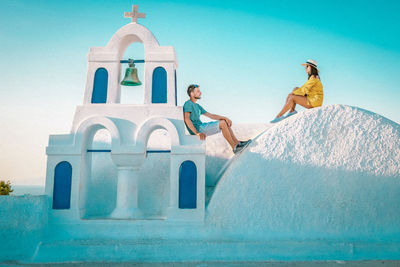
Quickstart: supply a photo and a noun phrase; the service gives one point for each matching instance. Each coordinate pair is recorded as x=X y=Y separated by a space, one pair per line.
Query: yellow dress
x=313 y=89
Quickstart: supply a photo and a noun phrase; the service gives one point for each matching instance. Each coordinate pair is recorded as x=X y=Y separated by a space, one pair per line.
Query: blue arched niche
x=100 y=83
x=159 y=88
x=62 y=185
x=187 y=185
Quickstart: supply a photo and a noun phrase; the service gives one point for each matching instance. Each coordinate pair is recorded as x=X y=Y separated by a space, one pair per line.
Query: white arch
x=132 y=33
x=153 y=124
x=91 y=125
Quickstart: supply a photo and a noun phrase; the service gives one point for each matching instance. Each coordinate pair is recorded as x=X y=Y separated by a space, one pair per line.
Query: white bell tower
x=124 y=179
x=104 y=66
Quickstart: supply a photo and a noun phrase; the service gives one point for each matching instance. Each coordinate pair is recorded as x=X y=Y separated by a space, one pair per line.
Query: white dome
x=330 y=171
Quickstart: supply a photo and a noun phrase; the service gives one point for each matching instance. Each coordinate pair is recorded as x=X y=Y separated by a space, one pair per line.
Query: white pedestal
x=127 y=195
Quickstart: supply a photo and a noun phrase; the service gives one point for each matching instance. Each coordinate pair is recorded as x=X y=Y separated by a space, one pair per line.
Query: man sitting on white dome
x=192 y=112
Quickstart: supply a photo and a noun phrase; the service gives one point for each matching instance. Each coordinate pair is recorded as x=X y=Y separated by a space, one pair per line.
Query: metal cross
x=134 y=14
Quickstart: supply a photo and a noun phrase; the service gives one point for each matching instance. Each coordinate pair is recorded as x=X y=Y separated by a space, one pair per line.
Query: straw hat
x=311 y=63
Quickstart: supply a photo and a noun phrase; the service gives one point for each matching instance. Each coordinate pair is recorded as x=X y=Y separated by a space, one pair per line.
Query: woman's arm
x=299 y=91
x=305 y=88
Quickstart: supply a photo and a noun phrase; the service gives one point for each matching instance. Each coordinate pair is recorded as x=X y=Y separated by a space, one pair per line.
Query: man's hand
x=228 y=121
x=202 y=136
x=218 y=118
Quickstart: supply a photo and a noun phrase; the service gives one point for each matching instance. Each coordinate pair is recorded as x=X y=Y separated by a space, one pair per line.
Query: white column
x=148 y=81
x=174 y=181
x=127 y=194
x=113 y=88
x=169 y=68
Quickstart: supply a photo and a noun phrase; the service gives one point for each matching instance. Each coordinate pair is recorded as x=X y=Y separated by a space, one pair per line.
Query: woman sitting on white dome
x=310 y=95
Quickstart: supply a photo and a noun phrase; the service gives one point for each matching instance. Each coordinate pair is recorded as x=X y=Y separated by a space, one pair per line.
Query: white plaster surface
x=274 y=202
x=219 y=152
x=331 y=171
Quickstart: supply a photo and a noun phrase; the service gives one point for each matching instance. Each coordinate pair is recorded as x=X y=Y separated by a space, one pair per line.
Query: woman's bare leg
x=293 y=107
x=291 y=102
x=287 y=99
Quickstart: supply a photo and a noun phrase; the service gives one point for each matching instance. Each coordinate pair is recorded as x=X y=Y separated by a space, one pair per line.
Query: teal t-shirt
x=195 y=111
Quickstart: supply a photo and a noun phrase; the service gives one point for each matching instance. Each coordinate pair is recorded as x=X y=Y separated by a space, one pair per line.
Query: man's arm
x=190 y=125
x=218 y=117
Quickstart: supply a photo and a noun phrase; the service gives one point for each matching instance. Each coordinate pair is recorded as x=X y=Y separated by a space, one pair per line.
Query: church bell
x=131 y=76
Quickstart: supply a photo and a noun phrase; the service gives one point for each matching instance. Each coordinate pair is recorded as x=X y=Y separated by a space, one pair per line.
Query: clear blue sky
x=245 y=55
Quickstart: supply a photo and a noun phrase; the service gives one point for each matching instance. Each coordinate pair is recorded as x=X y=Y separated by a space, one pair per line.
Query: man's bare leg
x=233 y=135
x=227 y=133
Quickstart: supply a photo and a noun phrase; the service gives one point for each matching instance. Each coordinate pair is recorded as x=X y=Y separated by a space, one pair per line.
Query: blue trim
x=176 y=95
x=158 y=151
x=100 y=83
x=187 y=185
x=62 y=185
x=135 y=61
x=159 y=87
x=148 y=151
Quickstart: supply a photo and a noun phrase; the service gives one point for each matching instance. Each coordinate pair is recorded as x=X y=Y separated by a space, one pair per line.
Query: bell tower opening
x=154 y=183
x=100 y=175
x=133 y=94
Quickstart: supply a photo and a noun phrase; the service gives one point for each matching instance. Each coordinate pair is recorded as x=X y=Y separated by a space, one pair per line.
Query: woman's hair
x=314 y=72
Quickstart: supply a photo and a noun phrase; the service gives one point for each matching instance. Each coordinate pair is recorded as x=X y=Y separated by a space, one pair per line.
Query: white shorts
x=210 y=128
